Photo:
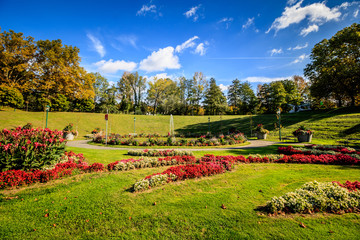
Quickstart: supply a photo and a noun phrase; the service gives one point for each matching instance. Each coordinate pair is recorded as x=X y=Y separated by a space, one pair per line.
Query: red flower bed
x=290 y=150
x=12 y=178
x=351 y=186
x=338 y=159
x=25 y=149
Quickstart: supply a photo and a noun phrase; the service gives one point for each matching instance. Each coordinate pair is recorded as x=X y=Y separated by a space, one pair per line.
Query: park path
x=253 y=144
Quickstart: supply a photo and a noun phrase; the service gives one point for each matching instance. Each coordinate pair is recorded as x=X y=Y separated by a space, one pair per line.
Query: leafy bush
x=27 y=149
x=14 y=178
x=316 y=197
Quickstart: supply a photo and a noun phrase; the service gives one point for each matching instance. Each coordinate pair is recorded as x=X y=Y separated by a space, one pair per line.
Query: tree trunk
x=352 y=101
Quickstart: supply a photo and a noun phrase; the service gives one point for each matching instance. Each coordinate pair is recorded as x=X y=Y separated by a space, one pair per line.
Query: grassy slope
x=328 y=125
x=100 y=206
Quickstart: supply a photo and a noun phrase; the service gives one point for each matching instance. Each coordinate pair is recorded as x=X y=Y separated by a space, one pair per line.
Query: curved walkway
x=253 y=144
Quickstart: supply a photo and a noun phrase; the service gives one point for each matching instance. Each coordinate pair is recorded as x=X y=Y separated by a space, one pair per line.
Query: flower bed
x=204 y=140
x=128 y=164
x=159 y=153
x=182 y=172
x=25 y=149
x=14 y=178
x=318 y=150
x=316 y=197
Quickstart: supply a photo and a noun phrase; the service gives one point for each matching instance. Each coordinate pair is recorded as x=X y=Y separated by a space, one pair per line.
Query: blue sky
x=256 y=41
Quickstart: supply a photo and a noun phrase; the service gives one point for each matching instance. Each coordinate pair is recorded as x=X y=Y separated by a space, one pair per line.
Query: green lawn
x=100 y=206
x=329 y=125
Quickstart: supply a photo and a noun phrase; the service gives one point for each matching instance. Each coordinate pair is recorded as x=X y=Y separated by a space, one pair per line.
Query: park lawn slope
x=100 y=205
x=329 y=125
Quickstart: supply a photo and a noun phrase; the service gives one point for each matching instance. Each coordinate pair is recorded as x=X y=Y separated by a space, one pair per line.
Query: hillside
x=328 y=124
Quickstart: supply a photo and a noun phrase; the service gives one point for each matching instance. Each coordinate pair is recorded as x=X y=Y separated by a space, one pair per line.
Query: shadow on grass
x=352 y=130
x=269 y=121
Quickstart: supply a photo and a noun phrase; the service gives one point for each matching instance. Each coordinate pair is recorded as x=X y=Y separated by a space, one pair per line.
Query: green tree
x=10 y=96
x=59 y=103
x=234 y=98
x=215 y=100
x=100 y=86
x=334 y=70
x=196 y=91
x=132 y=86
x=157 y=91
x=247 y=98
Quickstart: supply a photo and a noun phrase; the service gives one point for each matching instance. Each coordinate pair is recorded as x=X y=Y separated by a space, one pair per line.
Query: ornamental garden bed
x=150 y=140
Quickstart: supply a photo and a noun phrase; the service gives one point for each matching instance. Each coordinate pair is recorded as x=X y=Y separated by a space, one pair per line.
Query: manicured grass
x=329 y=125
x=99 y=205
x=108 y=156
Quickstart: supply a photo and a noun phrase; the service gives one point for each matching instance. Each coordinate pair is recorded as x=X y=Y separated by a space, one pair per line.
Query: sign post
x=106 y=119
x=134 y=126
x=47 y=112
x=209 y=124
x=279 y=117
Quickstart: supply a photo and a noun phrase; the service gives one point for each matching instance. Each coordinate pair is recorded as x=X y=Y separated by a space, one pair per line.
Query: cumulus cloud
x=187 y=44
x=99 y=48
x=248 y=23
x=317 y=13
x=111 y=66
x=223 y=87
x=298 y=47
x=227 y=21
x=276 y=51
x=192 y=13
x=160 y=60
x=263 y=79
x=305 y=31
x=299 y=59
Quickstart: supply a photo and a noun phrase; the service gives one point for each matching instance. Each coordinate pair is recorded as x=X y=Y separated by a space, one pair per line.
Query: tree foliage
x=215 y=100
x=334 y=71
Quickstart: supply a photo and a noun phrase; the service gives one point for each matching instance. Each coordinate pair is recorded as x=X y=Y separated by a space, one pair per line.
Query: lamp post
x=134 y=125
x=279 y=117
x=209 y=124
x=47 y=108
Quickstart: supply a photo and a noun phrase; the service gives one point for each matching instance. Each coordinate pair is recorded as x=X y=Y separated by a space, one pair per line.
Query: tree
x=158 y=91
x=197 y=87
x=17 y=55
x=293 y=95
x=59 y=103
x=234 y=96
x=334 y=70
x=100 y=86
x=10 y=96
x=59 y=72
x=215 y=100
x=247 y=98
x=277 y=95
x=132 y=86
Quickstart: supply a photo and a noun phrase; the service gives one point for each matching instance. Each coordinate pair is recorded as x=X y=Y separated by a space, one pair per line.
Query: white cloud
x=223 y=87
x=150 y=8
x=298 y=47
x=356 y=13
x=309 y=29
x=187 y=44
x=276 y=51
x=163 y=59
x=299 y=59
x=99 y=48
x=192 y=13
x=315 y=13
x=264 y=79
x=291 y=2
x=111 y=66
x=128 y=40
x=227 y=21
x=249 y=22
x=200 y=49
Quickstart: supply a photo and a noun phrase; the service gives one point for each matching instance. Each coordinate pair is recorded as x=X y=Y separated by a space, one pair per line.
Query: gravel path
x=253 y=144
